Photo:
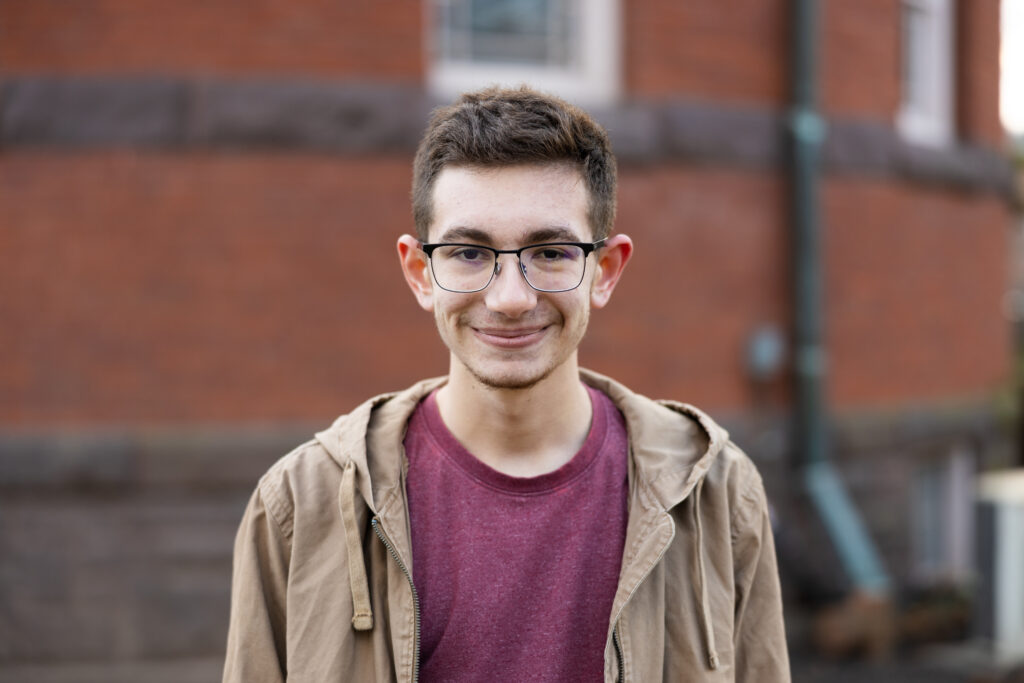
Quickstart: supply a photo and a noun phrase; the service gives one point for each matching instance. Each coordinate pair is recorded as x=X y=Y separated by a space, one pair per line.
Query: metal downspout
x=823 y=484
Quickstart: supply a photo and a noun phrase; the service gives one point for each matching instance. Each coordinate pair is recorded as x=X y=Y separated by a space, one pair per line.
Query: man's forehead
x=510 y=204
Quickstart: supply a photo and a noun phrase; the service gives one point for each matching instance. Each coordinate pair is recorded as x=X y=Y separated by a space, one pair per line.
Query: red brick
x=860 y=59
x=915 y=279
x=204 y=288
x=306 y=38
x=260 y=286
x=705 y=50
x=978 y=73
x=708 y=269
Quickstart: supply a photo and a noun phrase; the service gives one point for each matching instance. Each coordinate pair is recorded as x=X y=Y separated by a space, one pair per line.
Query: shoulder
x=306 y=481
x=306 y=473
x=742 y=487
x=662 y=433
x=677 y=446
x=739 y=470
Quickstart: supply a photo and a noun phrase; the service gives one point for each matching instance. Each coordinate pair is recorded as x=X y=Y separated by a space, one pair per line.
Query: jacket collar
x=673 y=444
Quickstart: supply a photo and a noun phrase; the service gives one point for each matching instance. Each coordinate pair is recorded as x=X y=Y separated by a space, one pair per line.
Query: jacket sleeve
x=759 y=637
x=256 y=633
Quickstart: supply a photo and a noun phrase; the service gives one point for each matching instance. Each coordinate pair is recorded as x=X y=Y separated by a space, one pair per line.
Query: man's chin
x=510 y=380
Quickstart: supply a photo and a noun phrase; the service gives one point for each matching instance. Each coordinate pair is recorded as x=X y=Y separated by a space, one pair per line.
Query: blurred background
x=199 y=202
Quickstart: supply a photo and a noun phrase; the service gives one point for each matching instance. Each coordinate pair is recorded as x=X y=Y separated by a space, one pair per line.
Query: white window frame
x=594 y=81
x=928 y=121
x=942 y=518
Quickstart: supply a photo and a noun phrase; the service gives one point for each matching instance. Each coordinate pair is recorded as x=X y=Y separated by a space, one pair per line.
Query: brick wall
x=308 y=38
x=705 y=50
x=179 y=287
x=731 y=52
x=265 y=286
x=197 y=287
x=977 y=73
x=228 y=258
x=704 y=275
x=914 y=283
x=860 y=59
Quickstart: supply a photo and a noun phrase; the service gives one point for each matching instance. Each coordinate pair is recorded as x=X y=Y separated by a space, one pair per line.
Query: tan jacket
x=322 y=587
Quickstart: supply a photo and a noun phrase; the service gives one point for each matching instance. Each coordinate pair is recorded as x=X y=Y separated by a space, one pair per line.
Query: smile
x=509 y=338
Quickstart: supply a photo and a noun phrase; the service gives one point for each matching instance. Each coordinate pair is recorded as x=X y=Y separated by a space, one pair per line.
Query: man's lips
x=509 y=338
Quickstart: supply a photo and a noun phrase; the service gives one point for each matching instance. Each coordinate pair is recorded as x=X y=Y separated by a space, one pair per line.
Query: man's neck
x=520 y=432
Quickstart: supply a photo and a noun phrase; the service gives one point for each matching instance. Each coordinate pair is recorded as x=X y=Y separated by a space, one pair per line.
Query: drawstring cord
x=709 y=632
x=362 y=614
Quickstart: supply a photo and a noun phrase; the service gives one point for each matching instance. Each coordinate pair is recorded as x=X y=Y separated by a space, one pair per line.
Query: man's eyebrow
x=551 y=234
x=556 y=233
x=463 y=234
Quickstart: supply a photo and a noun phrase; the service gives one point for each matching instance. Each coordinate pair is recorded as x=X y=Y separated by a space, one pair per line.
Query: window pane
x=538 y=32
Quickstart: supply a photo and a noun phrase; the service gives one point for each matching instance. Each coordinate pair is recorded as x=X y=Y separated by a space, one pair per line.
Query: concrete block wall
x=116 y=549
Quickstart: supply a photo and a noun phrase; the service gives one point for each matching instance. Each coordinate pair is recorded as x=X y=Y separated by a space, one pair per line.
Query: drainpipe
x=821 y=480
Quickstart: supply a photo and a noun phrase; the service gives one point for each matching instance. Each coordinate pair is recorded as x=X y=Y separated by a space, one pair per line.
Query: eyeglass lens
x=548 y=267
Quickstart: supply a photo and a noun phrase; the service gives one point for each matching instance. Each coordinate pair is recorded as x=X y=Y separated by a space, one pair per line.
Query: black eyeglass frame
x=586 y=247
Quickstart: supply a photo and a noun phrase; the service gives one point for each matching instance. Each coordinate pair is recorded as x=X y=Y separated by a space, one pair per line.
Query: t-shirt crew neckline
x=486 y=475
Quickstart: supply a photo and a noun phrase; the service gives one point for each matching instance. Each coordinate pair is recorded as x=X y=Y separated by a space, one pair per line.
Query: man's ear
x=611 y=261
x=416 y=271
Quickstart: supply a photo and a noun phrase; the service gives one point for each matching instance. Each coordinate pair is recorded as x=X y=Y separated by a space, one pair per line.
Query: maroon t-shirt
x=515 y=575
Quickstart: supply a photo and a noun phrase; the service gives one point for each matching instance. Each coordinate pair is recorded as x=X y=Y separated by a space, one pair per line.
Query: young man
x=521 y=519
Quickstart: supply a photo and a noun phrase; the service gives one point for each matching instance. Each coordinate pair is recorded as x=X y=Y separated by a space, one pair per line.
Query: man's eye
x=553 y=254
x=470 y=255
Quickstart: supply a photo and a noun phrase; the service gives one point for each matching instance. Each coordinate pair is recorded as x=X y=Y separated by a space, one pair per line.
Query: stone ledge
x=857 y=430
x=355 y=118
x=136 y=112
x=864 y=432
x=869 y=148
x=186 y=457
x=364 y=119
x=198 y=458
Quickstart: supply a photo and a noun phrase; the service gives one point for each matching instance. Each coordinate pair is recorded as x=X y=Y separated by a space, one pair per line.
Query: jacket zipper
x=415 y=597
x=618 y=652
x=615 y=631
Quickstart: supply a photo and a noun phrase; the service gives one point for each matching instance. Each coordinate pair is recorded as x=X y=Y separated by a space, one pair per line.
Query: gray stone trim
x=695 y=132
x=112 y=459
x=362 y=119
x=866 y=434
x=142 y=112
x=93 y=112
x=871 y=148
x=211 y=457
x=353 y=118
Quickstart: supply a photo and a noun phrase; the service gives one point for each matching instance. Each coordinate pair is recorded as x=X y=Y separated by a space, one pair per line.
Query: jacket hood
x=673 y=444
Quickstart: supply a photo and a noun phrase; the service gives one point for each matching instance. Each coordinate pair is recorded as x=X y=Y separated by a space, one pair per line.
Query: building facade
x=198 y=208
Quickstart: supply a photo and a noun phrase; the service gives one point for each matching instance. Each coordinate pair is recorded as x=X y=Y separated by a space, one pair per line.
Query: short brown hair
x=509 y=126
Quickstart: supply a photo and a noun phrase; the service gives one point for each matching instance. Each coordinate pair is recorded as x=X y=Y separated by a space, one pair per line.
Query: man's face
x=510 y=335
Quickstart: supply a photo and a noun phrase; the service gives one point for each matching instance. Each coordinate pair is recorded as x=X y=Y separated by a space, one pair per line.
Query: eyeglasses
x=547 y=267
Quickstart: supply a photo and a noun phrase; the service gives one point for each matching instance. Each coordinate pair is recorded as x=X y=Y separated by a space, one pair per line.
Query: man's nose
x=509 y=293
